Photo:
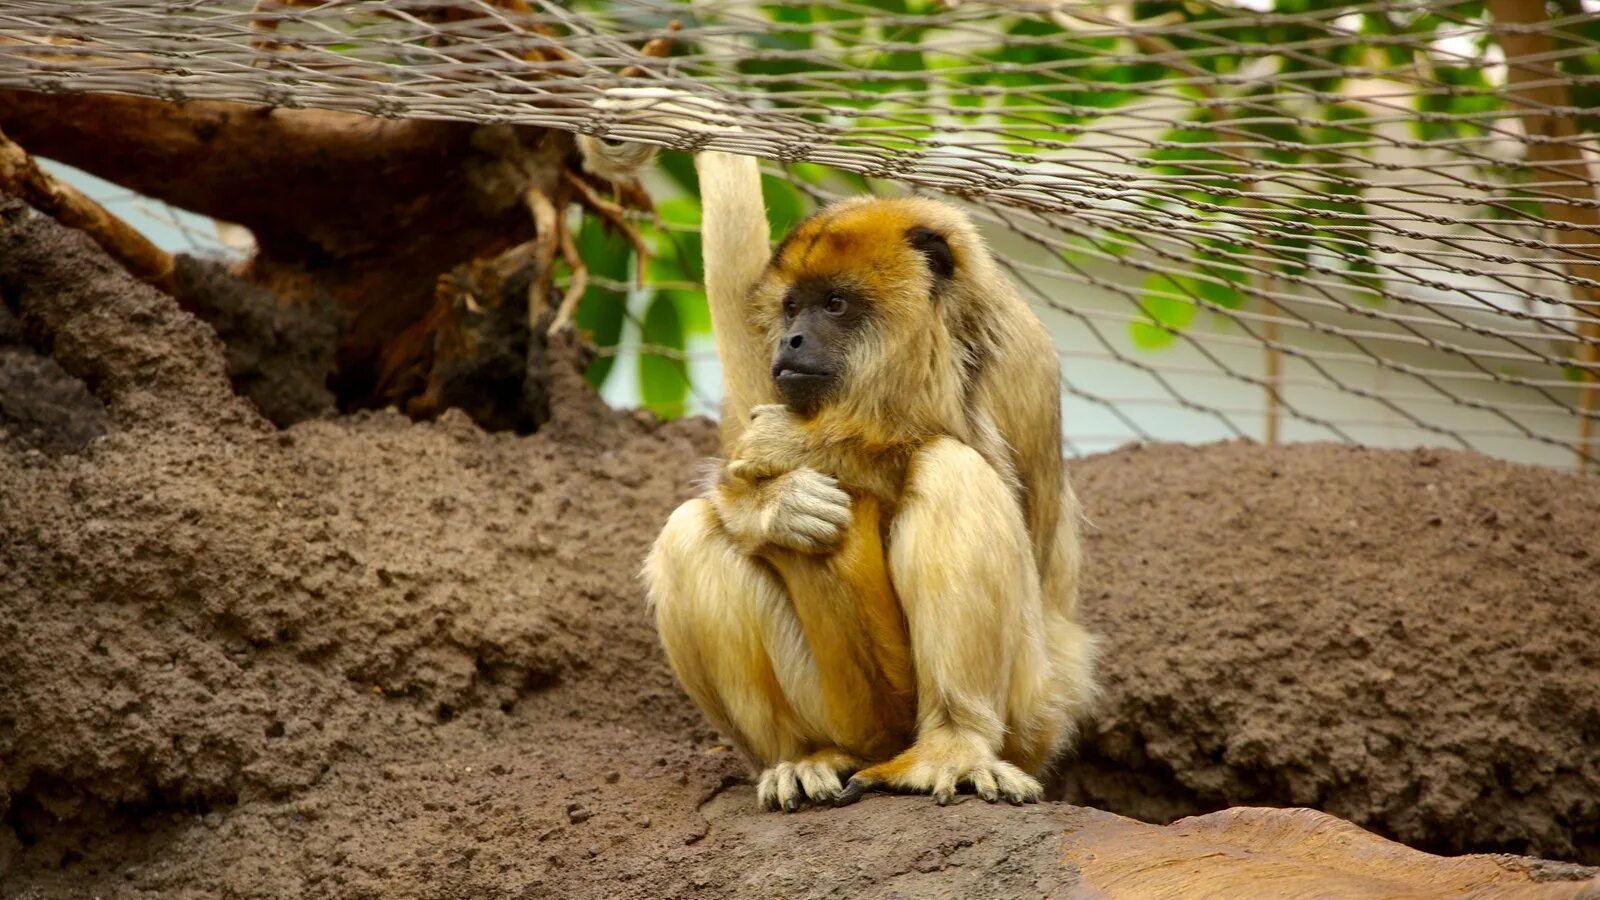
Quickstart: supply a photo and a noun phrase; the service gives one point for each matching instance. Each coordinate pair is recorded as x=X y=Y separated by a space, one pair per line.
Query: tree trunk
x=1544 y=106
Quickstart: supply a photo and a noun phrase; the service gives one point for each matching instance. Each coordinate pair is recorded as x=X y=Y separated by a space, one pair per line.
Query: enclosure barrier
x=1366 y=222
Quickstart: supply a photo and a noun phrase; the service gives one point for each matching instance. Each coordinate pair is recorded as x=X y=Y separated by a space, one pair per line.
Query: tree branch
x=21 y=177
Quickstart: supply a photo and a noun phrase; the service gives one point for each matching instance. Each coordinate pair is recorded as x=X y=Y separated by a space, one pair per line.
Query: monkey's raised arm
x=734 y=237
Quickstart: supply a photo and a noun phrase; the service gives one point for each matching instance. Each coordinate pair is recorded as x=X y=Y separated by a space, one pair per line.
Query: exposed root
x=546 y=240
x=576 y=287
x=616 y=217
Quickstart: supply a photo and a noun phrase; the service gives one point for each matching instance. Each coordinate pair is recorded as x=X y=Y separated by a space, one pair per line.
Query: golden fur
x=886 y=588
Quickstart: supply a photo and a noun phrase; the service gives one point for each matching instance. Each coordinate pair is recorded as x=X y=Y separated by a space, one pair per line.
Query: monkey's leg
x=732 y=639
x=962 y=564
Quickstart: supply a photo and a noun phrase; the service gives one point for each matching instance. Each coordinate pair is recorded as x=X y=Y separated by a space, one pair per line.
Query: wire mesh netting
x=1368 y=222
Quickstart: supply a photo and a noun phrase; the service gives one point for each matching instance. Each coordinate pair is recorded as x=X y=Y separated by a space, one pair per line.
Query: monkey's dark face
x=820 y=319
x=851 y=302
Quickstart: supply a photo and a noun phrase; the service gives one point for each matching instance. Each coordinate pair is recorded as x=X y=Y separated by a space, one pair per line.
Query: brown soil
x=279 y=355
x=41 y=406
x=1408 y=640
x=370 y=657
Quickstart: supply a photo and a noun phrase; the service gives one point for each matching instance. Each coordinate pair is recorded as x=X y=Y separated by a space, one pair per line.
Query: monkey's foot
x=938 y=764
x=814 y=777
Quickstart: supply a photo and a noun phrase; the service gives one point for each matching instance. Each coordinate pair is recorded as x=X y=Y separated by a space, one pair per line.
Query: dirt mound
x=279 y=355
x=42 y=407
x=371 y=657
x=1407 y=640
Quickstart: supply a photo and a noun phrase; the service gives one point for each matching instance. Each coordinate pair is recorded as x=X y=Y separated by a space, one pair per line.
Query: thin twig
x=657 y=48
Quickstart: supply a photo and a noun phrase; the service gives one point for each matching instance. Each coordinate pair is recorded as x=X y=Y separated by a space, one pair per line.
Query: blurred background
x=1281 y=220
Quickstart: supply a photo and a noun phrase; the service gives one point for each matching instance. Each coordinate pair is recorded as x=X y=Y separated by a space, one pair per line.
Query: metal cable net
x=1367 y=222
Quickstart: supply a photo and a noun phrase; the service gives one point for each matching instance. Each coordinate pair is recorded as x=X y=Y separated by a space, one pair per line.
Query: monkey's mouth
x=801 y=389
x=788 y=376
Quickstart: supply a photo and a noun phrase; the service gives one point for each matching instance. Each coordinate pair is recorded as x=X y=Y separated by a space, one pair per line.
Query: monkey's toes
x=991 y=781
x=779 y=788
x=984 y=785
x=944 y=786
x=819 y=780
x=1015 y=785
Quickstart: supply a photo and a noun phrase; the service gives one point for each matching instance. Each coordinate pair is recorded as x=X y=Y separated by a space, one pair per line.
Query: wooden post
x=1274 y=361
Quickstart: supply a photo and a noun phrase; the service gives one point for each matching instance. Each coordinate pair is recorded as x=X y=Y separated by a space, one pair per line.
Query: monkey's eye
x=835 y=306
x=789 y=308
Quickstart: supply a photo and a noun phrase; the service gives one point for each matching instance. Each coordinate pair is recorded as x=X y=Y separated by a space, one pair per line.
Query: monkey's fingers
x=813 y=533
x=819 y=496
x=821 y=783
x=744 y=470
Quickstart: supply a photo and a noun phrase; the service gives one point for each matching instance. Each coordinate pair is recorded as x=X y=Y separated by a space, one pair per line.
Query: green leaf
x=680 y=166
x=693 y=310
x=1332 y=133
x=676 y=250
x=1218 y=293
x=679 y=213
x=663 y=382
x=1149 y=337
x=600 y=312
x=1174 y=312
x=786 y=206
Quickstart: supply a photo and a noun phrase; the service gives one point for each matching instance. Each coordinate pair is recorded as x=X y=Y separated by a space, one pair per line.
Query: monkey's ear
x=932 y=245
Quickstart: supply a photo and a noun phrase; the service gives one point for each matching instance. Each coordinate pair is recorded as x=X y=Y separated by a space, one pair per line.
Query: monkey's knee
x=686 y=573
x=695 y=562
x=688 y=536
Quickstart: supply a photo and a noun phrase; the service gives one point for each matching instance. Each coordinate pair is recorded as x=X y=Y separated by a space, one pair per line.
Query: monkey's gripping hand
x=774 y=442
x=616 y=160
x=767 y=495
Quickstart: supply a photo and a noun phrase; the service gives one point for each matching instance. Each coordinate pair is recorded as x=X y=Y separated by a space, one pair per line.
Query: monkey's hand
x=774 y=442
x=801 y=510
x=614 y=159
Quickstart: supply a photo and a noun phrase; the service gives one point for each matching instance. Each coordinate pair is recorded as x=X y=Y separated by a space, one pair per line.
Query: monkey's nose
x=795 y=340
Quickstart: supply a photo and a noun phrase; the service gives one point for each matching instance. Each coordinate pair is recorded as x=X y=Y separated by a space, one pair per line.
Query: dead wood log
x=372 y=213
x=369 y=210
